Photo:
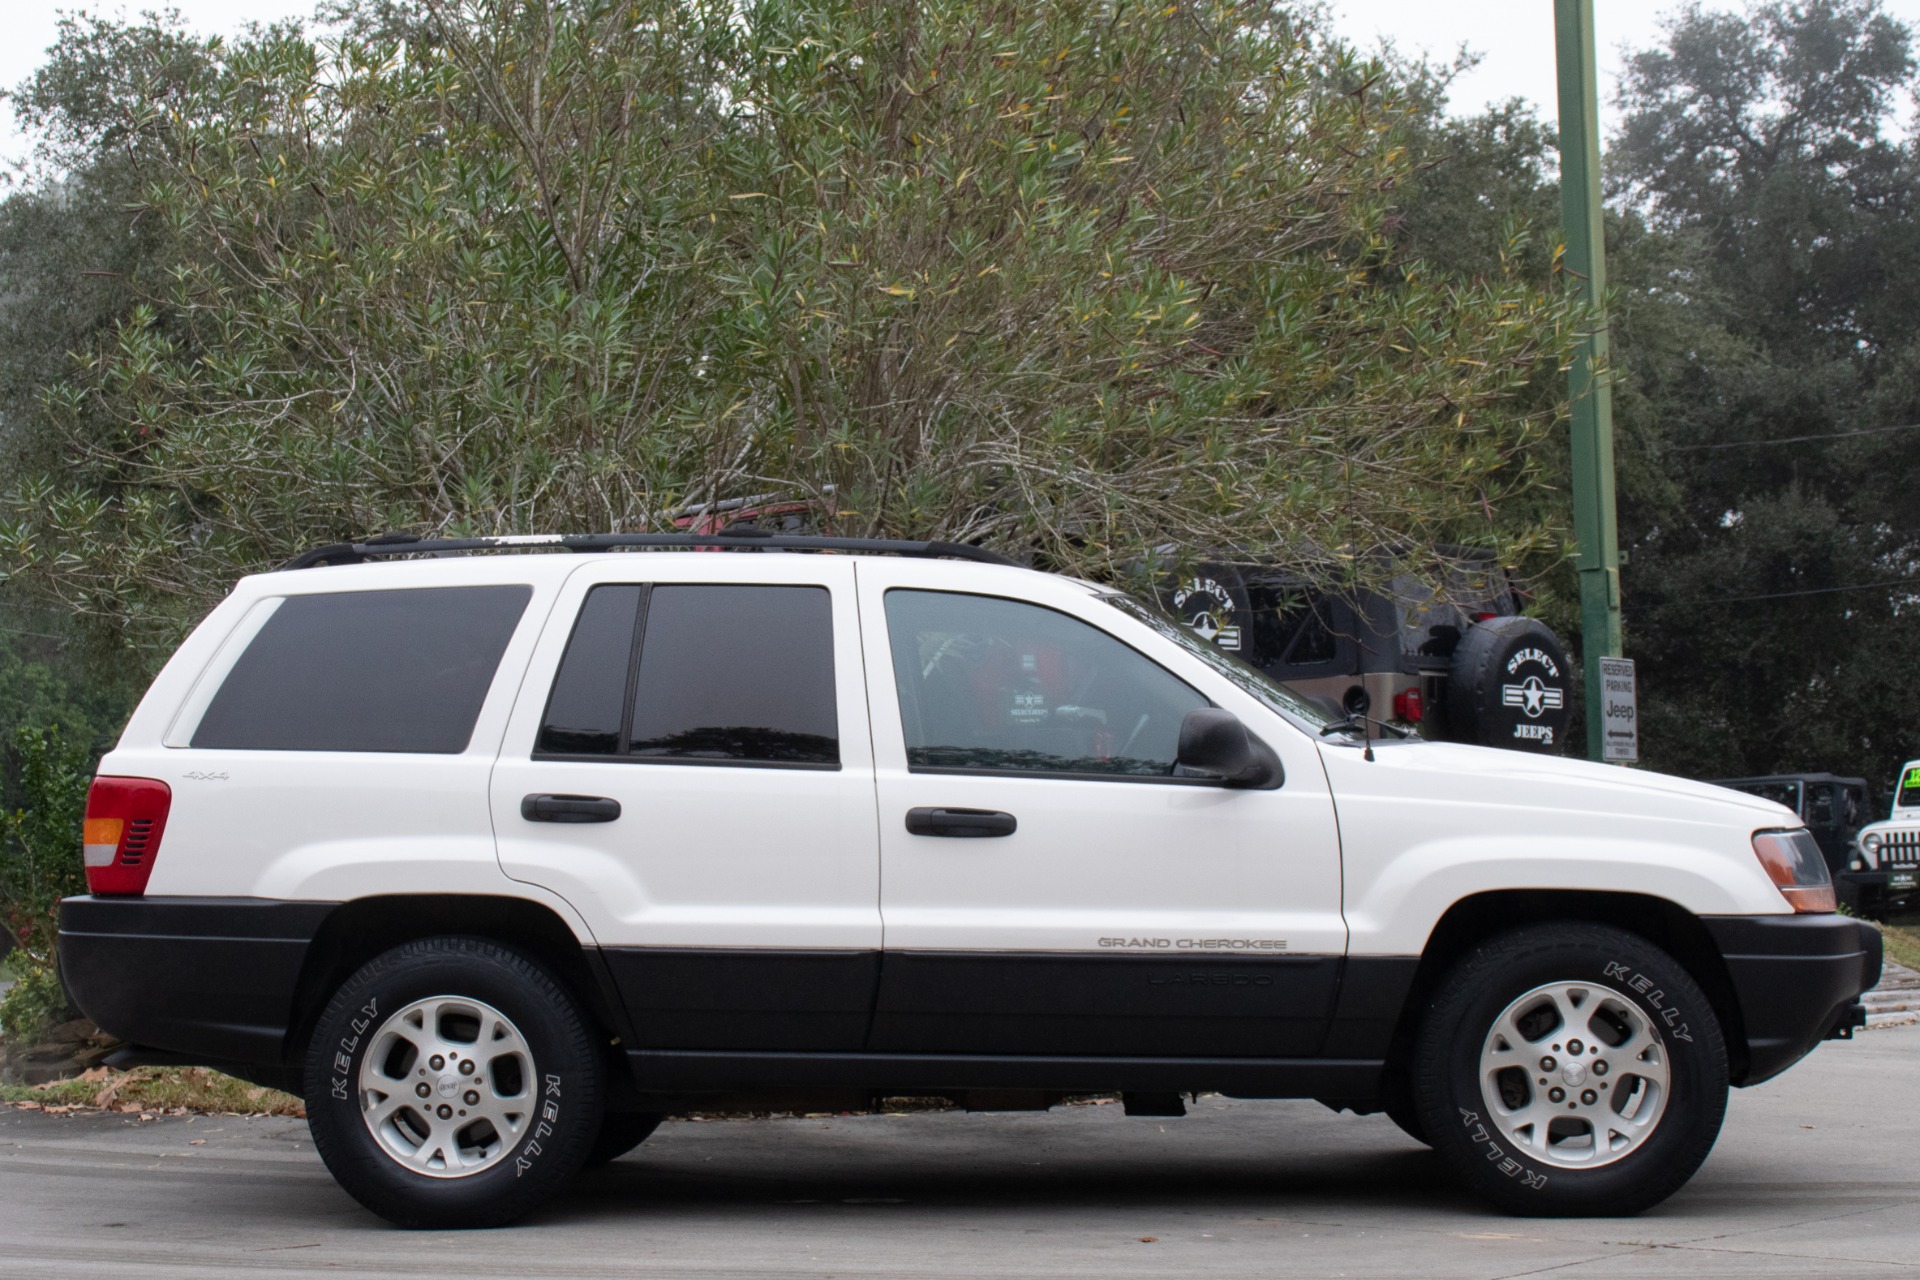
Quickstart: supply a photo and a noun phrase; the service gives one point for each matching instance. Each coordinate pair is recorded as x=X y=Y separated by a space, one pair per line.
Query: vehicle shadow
x=1011 y=1172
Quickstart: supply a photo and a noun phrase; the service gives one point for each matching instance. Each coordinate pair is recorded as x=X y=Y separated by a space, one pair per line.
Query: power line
x=1837 y=435
x=1788 y=595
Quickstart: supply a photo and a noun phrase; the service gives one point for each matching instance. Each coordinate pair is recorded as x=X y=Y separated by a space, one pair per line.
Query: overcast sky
x=1515 y=38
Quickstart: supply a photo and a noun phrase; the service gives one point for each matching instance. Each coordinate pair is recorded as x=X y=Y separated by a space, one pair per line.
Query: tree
x=1771 y=361
x=1076 y=280
x=39 y=865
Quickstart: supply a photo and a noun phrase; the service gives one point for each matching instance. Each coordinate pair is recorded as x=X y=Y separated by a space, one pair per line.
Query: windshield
x=1251 y=680
x=1908 y=796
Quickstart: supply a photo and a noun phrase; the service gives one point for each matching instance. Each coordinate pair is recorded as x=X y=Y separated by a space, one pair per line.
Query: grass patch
x=1902 y=939
x=153 y=1091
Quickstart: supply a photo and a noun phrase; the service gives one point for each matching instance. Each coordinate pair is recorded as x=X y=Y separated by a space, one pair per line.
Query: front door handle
x=965 y=823
x=569 y=809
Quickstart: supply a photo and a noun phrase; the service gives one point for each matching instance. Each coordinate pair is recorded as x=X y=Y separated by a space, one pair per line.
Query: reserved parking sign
x=1619 y=711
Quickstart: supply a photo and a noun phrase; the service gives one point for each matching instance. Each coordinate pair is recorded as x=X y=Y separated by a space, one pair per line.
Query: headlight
x=1870 y=844
x=1794 y=863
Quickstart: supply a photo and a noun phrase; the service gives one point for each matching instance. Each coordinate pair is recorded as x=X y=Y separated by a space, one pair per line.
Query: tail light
x=125 y=820
x=1408 y=706
x=1797 y=868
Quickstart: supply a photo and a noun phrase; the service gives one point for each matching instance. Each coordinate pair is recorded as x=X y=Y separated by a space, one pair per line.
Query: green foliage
x=53 y=672
x=39 y=865
x=1763 y=277
x=34 y=1003
x=1075 y=280
x=1483 y=202
x=40 y=840
x=73 y=247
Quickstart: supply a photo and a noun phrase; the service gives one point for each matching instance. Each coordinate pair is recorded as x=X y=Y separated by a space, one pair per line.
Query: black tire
x=1509 y=685
x=621 y=1132
x=1619 y=973
x=1398 y=1105
x=557 y=1093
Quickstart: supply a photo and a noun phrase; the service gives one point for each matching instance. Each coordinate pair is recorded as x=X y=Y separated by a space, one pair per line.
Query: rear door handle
x=965 y=823
x=569 y=809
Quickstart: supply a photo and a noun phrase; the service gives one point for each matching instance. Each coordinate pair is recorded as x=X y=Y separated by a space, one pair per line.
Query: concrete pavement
x=1816 y=1173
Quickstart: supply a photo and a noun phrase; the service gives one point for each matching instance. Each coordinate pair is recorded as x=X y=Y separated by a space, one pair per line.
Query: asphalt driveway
x=1817 y=1173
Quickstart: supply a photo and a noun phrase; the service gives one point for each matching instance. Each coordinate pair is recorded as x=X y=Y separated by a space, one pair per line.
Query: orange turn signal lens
x=1796 y=866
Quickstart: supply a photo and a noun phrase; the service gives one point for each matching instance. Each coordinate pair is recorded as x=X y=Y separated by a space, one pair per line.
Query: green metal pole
x=1595 y=529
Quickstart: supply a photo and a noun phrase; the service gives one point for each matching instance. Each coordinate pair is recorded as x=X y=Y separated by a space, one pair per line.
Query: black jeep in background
x=1459 y=664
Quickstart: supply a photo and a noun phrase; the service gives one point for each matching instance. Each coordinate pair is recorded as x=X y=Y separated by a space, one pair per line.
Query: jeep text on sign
x=1619 y=710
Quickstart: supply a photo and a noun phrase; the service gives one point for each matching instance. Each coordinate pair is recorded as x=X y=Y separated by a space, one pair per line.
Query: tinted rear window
x=736 y=673
x=366 y=671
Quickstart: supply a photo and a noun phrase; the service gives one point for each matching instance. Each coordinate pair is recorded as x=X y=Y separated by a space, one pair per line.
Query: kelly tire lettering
x=428 y=1122
x=1585 y=1034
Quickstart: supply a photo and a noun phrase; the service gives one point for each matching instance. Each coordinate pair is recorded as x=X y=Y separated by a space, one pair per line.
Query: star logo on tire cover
x=1533 y=696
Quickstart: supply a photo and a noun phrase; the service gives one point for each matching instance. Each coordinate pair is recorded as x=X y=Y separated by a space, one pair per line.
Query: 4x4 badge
x=205 y=777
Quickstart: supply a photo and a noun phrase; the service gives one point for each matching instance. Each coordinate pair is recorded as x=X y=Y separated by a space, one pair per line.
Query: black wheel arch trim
x=359 y=929
x=234 y=980
x=1664 y=923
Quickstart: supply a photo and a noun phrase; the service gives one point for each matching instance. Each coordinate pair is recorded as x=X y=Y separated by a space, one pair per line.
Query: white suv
x=496 y=858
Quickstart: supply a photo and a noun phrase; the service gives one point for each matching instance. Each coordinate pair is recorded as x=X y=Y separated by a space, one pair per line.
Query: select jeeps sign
x=1207 y=606
x=1509 y=686
x=1534 y=685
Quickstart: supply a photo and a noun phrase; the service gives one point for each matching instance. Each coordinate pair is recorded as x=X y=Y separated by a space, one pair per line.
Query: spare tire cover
x=1509 y=686
x=1212 y=602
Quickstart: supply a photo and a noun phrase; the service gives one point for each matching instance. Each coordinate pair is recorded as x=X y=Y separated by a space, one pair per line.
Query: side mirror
x=1214 y=744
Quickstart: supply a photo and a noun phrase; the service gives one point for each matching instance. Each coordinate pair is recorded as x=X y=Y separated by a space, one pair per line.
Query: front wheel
x=453 y=1083
x=621 y=1132
x=1570 y=1069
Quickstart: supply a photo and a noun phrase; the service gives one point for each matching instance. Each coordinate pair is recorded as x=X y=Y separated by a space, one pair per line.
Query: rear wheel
x=453 y=1083
x=1570 y=1069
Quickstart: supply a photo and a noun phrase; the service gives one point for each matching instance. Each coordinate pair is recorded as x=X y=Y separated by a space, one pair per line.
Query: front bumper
x=1797 y=980
x=211 y=979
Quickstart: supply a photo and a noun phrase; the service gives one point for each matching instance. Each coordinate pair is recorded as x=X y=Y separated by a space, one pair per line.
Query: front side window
x=740 y=674
x=999 y=685
x=1248 y=679
x=402 y=671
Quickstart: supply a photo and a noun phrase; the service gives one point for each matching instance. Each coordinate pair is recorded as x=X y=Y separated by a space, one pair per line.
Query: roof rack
x=734 y=538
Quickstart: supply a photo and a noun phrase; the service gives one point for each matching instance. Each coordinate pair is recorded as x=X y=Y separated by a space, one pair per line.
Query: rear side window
x=402 y=671
x=721 y=674
x=584 y=714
